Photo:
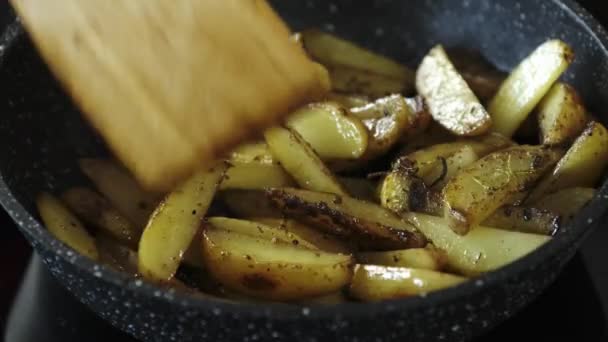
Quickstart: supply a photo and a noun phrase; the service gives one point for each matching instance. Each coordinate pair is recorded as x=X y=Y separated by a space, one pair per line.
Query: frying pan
x=42 y=134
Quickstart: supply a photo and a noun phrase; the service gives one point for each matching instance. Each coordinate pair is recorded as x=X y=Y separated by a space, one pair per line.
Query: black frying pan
x=41 y=135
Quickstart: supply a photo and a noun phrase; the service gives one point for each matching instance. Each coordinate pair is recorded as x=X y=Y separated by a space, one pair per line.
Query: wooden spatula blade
x=171 y=85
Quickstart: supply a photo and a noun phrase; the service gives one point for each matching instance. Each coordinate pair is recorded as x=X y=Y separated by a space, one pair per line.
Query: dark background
x=551 y=317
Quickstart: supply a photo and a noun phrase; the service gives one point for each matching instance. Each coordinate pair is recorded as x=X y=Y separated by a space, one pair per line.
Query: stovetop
x=35 y=308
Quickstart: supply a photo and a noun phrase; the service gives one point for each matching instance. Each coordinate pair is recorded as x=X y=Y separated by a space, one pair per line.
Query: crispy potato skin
x=561 y=115
x=525 y=219
x=493 y=181
x=566 y=203
x=368 y=225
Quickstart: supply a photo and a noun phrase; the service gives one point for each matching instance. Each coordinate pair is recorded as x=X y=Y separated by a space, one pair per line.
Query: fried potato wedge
x=249 y=203
x=255 y=176
x=333 y=51
x=429 y=258
x=566 y=203
x=401 y=191
x=314 y=237
x=483 y=249
x=426 y=159
x=376 y=283
x=368 y=225
x=301 y=161
x=450 y=100
x=447 y=168
x=330 y=131
x=527 y=85
x=116 y=255
x=278 y=271
x=97 y=211
x=561 y=115
x=252 y=152
x=65 y=226
x=121 y=189
x=357 y=81
x=257 y=229
x=493 y=181
x=175 y=222
x=582 y=165
x=524 y=219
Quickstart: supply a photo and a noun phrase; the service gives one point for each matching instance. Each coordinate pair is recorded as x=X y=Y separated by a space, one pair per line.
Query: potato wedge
x=277 y=271
x=493 y=181
x=121 y=189
x=368 y=225
x=255 y=176
x=360 y=188
x=566 y=203
x=561 y=115
x=332 y=51
x=348 y=100
x=97 y=211
x=447 y=168
x=427 y=159
x=582 y=165
x=527 y=85
x=525 y=220
x=316 y=238
x=481 y=76
x=252 y=152
x=429 y=258
x=245 y=203
x=114 y=254
x=175 y=222
x=402 y=191
x=450 y=100
x=376 y=283
x=433 y=135
x=259 y=230
x=330 y=131
x=301 y=161
x=357 y=81
x=65 y=226
x=483 y=249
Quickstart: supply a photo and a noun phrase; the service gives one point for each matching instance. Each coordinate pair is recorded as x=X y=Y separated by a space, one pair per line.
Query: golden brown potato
x=447 y=168
x=333 y=51
x=317 y=238
x=368 y=225
x=255 y=176
x=493 y=181
x=566 y=203
x=121 y=189
x=259 y=230
x=375 y=283
x=348 y=100
x=249 y=203
x=582 y=165
x=97 y=211
x=525 y=220
x=330 y=131
x=65 y=226
x=450 y=100
x=527 y=84
x=175 y=222
x=278 y=271
x=301 y=161
x=252 y=152
x=483 y=249
x=428 y=258
x=561 y=115
x=402 y=191
x=357 y=81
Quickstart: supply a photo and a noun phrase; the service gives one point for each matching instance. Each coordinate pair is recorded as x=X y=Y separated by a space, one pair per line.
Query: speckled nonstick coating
x=41 y=134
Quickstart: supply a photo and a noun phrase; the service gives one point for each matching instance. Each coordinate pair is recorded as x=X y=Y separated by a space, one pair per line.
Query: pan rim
x=40 y=237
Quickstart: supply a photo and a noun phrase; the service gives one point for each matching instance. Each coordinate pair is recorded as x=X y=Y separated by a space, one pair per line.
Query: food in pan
x=375 y=193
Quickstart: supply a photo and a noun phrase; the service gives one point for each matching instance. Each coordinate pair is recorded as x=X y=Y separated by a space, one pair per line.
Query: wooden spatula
x=173 y=84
